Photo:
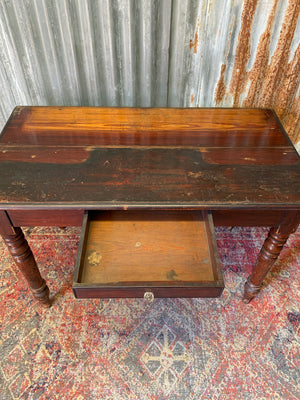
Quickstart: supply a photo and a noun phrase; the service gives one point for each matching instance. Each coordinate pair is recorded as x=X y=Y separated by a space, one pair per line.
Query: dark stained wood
x=44 y=154
x=146 y=250
x=247 y=217
x=112 y=158
x=211 y=155
x=46 y=217
x=56 y=162
x=74 y=217
x=24 y=259
x=153 y=177
x=250 y=156
x=269 y=253
x=6 y=227
x=22 y=255
x=94 y=291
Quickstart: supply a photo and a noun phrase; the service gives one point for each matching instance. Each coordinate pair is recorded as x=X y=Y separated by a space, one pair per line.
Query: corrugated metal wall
x=152 y=53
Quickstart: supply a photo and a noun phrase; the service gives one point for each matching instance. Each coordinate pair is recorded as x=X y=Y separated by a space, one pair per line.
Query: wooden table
x=56 y=163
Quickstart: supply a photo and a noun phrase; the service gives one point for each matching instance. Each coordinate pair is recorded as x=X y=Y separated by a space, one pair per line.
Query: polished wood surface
x=25 y=261
x=269 y=253
x=57 y=162
x=111 y=158
x=105 y=126
x=145 y=250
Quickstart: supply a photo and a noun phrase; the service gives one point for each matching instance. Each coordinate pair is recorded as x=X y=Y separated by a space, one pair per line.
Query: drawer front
x=147 y=254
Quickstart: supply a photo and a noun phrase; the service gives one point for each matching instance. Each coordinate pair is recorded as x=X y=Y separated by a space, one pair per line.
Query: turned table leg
x=24 y=259
x=269 y=253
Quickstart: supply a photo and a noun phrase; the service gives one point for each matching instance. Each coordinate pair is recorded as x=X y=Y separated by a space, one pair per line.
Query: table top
x=119 y=158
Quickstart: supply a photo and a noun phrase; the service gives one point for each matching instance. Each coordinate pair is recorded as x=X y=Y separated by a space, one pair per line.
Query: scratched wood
x=91 y=158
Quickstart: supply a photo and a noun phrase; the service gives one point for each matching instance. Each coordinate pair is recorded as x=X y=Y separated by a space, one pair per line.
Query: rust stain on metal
x=279 y=61
x=221 y=87
x=192 y=99
x=239 y=75
x=194 y=43
x=282 y=77
x=289 y=83
x=271 y=83
x=285 y=102
x=259 y=70
x=291 y=120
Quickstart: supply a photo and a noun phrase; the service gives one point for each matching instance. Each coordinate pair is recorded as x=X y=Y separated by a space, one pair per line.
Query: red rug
x=171 y=349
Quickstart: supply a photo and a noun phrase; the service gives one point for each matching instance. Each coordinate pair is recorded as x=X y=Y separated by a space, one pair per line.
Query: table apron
x=75 y=217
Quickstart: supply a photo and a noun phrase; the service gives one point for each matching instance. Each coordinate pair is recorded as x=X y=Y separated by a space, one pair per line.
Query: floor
x=170 y=349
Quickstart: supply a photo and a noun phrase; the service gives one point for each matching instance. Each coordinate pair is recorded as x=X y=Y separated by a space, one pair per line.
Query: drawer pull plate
x=149 y=297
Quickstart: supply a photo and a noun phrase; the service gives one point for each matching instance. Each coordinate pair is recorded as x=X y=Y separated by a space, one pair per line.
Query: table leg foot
x=42 y=294
x=250 y=291
x=24 y=259
x=269 y=253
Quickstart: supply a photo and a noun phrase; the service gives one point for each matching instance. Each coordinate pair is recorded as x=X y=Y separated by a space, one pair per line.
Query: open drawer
x=147 y=254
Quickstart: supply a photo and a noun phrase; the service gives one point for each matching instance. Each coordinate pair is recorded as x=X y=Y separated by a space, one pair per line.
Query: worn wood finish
x=132 y=177
x=111 y=158
x=22 y=255
x=56 y=162
x=74 y=217
x=24 y=259
x=46 y=218
x=6 y=227
x=95 y=292
x=247 y=217
x=269 y=253
x=145 y=250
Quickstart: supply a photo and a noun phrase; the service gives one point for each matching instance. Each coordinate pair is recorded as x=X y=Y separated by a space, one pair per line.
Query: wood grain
x=107 y=126
x=130 y=247
x=164 y=249
x=56 y=162
x=25 y=261
x=151 y=177
x=269 y=253
x=114 y=158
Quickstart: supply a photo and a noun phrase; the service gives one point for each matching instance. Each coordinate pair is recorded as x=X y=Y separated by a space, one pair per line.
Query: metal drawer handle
x=149 y=297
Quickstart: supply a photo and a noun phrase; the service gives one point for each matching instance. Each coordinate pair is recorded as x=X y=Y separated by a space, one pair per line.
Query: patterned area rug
x=170 y=349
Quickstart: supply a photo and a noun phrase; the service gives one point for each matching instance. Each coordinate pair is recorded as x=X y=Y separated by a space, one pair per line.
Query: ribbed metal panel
x=152 y=53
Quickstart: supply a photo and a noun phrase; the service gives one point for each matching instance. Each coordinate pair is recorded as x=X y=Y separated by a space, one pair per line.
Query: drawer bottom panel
x=129 y=253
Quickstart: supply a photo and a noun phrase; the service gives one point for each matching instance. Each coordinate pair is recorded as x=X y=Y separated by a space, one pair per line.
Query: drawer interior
x=122 y=253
